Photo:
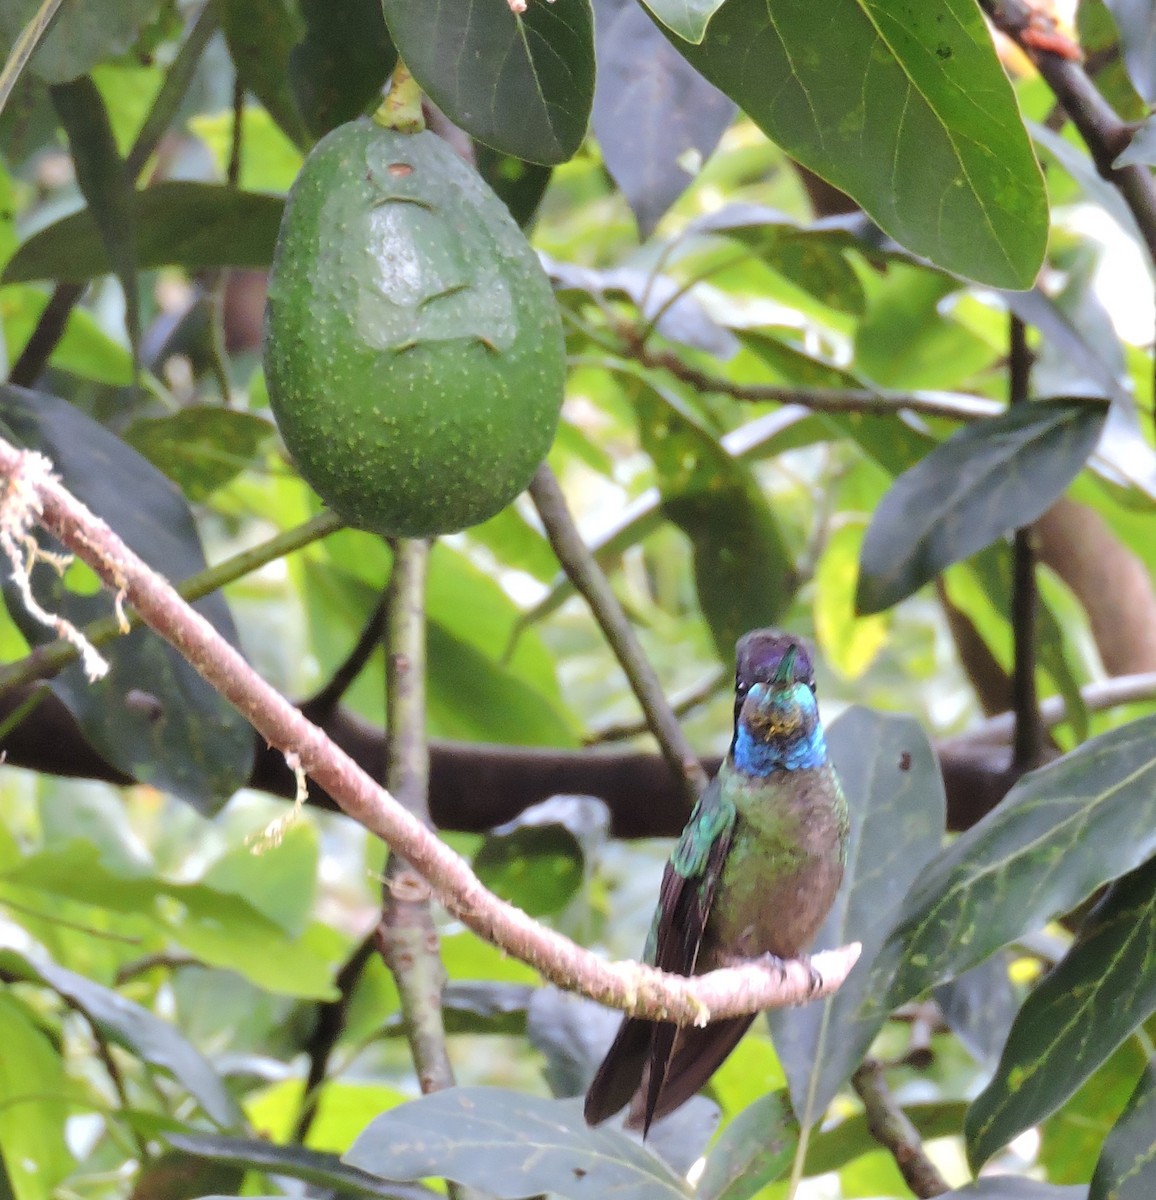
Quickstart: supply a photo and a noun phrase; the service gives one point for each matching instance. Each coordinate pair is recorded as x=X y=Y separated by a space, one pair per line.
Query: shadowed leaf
x=1127 y=1166
x=979 y=485
x=512 y=1145
x=521 y=83
x=755 y=1149
x=1104 y=987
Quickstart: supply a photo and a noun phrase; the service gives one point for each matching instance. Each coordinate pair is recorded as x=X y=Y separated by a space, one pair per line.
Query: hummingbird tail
x=620 y=1074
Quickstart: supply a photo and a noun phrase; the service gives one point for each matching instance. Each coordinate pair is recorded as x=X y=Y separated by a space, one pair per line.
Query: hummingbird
x=753 y=874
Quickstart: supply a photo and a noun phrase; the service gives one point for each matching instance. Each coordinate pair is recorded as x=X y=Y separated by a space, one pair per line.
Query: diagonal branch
x=33 y=495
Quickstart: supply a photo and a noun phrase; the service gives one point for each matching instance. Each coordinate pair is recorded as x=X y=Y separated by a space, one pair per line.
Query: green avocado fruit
x=413 y=348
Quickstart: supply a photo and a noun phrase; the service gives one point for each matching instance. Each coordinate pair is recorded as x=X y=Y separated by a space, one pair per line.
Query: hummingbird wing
x=642 y=1048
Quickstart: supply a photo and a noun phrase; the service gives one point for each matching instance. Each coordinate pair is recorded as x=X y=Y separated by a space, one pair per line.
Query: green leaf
x=743 y=572
x=1127 y=1166
x=200 y=448
x=85 y=349
x=261 y=34
x=104 y=182
x=979 y=485
x=82 y=35
x=755 y=1149
x=33 y=1106
x=1104 y=987
x=340 y=65
x=897 y=807
x=512 y=1145
x=1092 y=811
x=538 y=867
x=152 y=716
x=522 y=84
x=137 y=1029
x=919 y=122
x=327 y=1171
x=686 y=18
x=191 y=225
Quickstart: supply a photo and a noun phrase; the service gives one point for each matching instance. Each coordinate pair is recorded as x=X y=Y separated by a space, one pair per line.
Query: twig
x=689 y=700
x=630 y=986
x=50 y=659
x=331 y=1018
x=323 y=703
x=578 y=562
x=1102 y=129
x=892 y=1129
x=406 y=936
x=1028 y=746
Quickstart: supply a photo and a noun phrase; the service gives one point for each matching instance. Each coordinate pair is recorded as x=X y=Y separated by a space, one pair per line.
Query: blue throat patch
x=761 y=756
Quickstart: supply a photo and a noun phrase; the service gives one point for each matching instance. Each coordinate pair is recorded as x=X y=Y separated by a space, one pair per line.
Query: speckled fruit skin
x=413 y=349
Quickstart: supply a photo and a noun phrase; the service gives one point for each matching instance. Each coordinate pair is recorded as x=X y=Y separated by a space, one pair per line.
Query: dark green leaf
x=538 y=867
x=342 y=62
x=310 y=1166
x=520 y=185
x=152 y=716
x=652 y=110
x=523 y=83
x=1093 y=811
x=979 y=485
x=896 y=801
x=105 y=184
x=743 y=572
x=918 y=122
x=1127 y=1166
x=1104 y=987
x=82 y=35
x=261 y=34
x=191 y=225
x=200 y=448
x=137 y=1029
x=979 y=1007
x=512 y=1145
x=755 y=1149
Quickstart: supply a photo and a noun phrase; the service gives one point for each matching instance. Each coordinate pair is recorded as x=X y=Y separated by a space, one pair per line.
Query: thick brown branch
x=33 y=495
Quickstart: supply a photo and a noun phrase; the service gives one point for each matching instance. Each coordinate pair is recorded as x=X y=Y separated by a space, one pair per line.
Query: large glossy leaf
x=34 y=1156
x=342 y=62
x=520 y=82
x=979 y=485
x=81 y=36
x=652 y=111
x=1093 y=811
x=191 y=225
x=185 y=738
x=295 y=1162
x=755 y=1149
x=1127 y=1166
x=137 y=1029
x=897 y=806
x=687 y=18
x=512 y=1145
x=1073 y=1021
x=918 y=122
x=743 y=572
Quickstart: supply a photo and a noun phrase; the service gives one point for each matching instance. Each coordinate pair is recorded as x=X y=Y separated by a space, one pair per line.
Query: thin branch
x=1104 y=132
x=579 y=563
x=873 y=401
x=407 y=937
x=1028 y=746
x=680 y=705
x=319 y=706
x=892 y=1129
x=32 y=495
x=50 y=659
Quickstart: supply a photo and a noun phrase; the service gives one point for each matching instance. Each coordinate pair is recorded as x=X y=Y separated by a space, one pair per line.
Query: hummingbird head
x=777 y=724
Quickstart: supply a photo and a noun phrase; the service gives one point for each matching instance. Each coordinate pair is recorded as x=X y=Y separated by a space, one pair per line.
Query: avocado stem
x=401 y=108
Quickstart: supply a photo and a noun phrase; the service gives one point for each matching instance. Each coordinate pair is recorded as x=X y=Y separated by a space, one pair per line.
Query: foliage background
x=787 y=404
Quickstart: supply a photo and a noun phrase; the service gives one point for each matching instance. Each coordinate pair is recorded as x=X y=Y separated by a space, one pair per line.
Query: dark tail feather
x=620 y=1074
x=683 y=1060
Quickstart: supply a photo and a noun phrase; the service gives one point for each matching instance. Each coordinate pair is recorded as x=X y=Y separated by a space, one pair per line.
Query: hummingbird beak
x=785 y=673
